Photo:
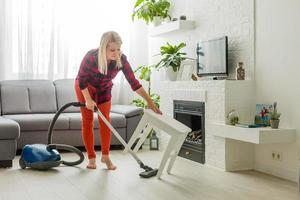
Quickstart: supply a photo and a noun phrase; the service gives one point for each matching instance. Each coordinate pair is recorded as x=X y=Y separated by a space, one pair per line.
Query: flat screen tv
x=212 y=57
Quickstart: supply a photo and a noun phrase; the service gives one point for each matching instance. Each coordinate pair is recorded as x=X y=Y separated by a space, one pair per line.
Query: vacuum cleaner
x=46 y=156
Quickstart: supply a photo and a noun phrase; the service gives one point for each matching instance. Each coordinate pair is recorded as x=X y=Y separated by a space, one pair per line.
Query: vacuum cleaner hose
x=64 y=146
x=64 y=107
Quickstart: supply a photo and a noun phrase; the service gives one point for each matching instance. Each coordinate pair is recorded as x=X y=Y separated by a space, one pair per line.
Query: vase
x=240 y=71
x=170 y=74
x=156 y=21
x=274 y=123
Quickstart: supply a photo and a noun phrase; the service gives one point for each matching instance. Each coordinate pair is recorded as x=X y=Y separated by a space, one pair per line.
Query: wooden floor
x=189 y=180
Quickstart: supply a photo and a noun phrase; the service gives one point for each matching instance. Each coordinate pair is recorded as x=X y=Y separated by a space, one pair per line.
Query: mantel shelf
x=264 y=135
x=171 y=27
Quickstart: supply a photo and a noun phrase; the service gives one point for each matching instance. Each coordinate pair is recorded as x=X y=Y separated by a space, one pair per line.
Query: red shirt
x=89 y=74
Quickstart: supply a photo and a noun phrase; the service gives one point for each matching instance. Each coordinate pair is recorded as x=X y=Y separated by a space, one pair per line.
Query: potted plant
x=274 y=116
x=171 y=59
x=151 y=11
x=144 y=73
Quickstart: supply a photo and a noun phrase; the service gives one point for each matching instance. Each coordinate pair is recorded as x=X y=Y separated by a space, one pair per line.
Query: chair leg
x=136 y=133
x=143 y=137
x=166 y=155
x=174 y=156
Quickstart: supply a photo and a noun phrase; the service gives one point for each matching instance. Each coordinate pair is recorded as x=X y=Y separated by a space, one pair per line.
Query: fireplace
x=192 y=114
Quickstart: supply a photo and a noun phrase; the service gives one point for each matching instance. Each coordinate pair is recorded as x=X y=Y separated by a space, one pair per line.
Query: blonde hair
x=107 y=37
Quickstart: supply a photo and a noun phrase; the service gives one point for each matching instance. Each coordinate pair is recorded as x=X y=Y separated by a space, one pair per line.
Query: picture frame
x=262 y=114
x=186 y=70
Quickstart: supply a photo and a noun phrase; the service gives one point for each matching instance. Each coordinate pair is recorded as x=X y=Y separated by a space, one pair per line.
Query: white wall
x=273 y=50
x=277 y=78
x=214 y=18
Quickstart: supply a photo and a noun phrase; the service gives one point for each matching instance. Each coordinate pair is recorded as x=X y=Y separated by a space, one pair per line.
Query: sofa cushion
x=38 y=122
x=42 y=99
x=127 y=110
x=65 y=93
x=14 y=99
x=9 y=129
x=117 y=120
x=75 y=120
x=28 y=96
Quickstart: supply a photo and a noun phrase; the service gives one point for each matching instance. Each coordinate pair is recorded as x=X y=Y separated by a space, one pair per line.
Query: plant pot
x=170 y=74
x=156 y=21
x=274 y=123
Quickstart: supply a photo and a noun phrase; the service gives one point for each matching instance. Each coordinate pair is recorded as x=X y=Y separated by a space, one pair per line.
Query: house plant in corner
x=144 y=73
x=274 y=116
x=153 y=11
x=171 y=59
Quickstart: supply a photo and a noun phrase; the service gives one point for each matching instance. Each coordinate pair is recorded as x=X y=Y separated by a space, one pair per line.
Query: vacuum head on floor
x=149 y=173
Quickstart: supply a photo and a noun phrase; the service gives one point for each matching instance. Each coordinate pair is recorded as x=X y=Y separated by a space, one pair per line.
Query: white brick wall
x=214 y=18
x=215 y=94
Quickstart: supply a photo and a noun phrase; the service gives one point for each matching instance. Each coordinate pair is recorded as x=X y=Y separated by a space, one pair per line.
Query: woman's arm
x=89 y=103
x=141 y=91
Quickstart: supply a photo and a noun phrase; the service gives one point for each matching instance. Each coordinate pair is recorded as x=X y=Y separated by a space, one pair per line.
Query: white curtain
x=47 y=39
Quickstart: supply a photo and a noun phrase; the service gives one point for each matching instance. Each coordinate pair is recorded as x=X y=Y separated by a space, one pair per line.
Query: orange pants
x=88 y=123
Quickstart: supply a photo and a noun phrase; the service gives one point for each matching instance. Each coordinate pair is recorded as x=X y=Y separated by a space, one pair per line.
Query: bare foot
x=110 y=166
x=92 y=164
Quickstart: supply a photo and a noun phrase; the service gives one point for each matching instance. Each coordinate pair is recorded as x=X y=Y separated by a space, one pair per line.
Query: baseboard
x=277 y=171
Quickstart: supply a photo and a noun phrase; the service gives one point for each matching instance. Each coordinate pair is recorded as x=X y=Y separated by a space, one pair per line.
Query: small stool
x=174 y=128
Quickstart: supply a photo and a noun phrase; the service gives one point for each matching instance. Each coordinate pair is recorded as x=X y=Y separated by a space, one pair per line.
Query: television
x=212 y=57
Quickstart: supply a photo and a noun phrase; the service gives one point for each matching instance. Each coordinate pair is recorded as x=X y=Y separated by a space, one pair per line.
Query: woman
x=93 y=87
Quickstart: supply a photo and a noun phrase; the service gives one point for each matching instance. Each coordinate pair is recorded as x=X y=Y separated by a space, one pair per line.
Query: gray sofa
x=28 y=106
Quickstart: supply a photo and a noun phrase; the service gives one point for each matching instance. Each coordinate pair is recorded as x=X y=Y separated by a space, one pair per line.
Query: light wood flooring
x=189 y=180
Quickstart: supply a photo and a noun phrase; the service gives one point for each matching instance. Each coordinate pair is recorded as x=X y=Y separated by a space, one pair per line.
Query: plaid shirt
x=89 y=75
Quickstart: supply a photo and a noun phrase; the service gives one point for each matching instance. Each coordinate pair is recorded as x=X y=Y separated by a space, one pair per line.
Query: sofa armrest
x=133 y=116
x=9 y=129
x=127 y=110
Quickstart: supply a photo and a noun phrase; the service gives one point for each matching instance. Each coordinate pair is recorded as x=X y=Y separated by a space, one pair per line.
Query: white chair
x=174 y=128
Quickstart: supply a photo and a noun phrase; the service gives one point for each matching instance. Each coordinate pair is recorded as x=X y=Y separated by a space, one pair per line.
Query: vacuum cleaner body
x=46 y=156
x=39 y=156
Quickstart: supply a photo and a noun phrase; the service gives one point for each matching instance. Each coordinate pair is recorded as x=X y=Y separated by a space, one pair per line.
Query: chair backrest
x=27 y=96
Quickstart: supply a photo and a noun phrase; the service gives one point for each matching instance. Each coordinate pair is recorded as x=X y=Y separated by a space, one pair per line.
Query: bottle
x=240 y=71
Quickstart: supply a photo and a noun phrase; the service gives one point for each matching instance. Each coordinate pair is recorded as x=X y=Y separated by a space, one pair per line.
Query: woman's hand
x=153 y=107
x=141 y=91
x=90 y=104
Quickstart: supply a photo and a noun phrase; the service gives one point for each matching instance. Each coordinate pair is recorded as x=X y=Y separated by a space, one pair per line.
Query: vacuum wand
x=149 y=172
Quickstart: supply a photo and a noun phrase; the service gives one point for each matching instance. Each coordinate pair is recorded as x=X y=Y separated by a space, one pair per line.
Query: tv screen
x=212 y=57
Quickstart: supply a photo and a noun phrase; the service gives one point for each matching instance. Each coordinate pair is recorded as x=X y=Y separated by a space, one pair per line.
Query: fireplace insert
x=192 y=114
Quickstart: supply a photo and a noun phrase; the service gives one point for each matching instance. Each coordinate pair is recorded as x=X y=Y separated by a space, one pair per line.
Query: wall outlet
x=276 y=155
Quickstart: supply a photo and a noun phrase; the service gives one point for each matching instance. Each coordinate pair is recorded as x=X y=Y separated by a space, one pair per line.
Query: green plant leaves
x=171 y=56
x=144 y=73
x=147 y=9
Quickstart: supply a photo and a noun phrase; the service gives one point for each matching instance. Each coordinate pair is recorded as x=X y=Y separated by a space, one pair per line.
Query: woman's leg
x=105 y=135
x=87 y=127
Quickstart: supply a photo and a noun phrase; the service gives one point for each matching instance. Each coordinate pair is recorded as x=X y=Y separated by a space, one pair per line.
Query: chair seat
x=166 y=123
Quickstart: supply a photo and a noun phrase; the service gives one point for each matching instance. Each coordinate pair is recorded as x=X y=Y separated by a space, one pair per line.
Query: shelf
x=264 y=135
x=171 y=27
